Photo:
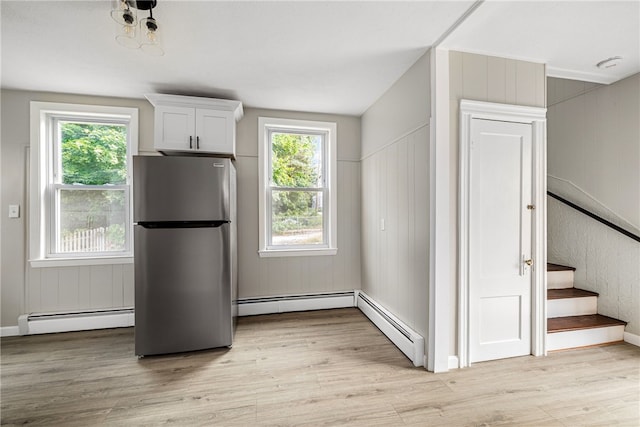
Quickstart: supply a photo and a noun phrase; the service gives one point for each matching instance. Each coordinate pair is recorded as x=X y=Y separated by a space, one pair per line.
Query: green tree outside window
x=93 y=154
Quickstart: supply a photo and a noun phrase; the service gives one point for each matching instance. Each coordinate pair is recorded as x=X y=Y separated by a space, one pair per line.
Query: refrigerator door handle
x=181 y=224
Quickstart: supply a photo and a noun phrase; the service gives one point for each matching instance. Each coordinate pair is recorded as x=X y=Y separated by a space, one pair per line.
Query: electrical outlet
x=14 y=211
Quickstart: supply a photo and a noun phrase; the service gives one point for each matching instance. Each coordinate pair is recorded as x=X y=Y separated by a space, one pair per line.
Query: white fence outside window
x=94 y=240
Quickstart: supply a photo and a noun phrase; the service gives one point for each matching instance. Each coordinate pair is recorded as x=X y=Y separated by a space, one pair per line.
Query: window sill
x=271 y=253
x=78 y=262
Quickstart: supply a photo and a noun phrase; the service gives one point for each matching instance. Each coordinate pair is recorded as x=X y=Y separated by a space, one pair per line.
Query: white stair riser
x=560 y=279
x=584 y=337
x=572 y=306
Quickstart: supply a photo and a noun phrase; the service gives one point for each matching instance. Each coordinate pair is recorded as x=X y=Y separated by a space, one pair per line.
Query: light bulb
x=151 y=36
x=123 y=14
x=127 y=37
x=151 y=41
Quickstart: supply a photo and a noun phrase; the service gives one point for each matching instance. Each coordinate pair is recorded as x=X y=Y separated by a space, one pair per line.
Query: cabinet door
x=173 y=128
x=215 y=131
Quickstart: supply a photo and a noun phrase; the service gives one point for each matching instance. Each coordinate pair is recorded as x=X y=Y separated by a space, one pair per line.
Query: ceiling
x=571 y=37
x=324 y=56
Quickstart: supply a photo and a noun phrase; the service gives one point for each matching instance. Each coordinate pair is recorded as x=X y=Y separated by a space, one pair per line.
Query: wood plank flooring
x=328 y=367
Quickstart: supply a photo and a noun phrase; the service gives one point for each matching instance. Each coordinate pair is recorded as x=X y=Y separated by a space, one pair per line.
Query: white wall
x=594 y=161
x=26 y=289
x=395 y=188
x=606 y=261
x=490 y=79
x=594 y=148
x=259 y=277
x=402 y=109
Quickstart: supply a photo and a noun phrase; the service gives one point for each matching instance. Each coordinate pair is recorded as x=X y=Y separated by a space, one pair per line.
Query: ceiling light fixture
x=146 y=37
x=609 y=62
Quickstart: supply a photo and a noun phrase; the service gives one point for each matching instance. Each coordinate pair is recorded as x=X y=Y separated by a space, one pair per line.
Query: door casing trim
x=536 y=116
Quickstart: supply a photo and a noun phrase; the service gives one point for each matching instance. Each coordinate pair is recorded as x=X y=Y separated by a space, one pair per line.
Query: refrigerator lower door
x=182 y=289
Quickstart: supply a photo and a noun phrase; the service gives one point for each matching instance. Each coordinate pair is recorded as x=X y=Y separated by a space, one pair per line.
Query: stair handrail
x=596 y=217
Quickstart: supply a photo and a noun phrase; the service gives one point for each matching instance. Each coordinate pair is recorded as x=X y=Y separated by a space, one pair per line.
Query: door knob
x=529 y=262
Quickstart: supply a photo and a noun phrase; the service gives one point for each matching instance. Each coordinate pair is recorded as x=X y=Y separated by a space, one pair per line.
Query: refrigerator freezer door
x=183 y=289
x=180 y=188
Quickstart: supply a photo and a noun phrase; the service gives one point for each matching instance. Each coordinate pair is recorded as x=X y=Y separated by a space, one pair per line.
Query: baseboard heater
x=45 y=323
x=407 y=340
x=301 y=302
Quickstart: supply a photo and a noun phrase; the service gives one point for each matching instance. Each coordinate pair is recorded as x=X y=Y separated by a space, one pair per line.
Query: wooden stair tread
x=558 y=267
x=589 y=321
x=569 y=293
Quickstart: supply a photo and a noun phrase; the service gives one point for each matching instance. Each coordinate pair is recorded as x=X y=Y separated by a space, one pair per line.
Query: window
x=297 y=184
x=81 y=182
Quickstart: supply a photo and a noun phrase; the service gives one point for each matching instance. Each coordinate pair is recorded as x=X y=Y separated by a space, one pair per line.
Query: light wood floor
x=314 y=368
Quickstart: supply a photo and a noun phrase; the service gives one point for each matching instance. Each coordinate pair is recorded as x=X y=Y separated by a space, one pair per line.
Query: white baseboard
x=9 y=331
x=453 y=362
x=289 y=303
x=406 y=339
x=30 y=324
x=632 y=339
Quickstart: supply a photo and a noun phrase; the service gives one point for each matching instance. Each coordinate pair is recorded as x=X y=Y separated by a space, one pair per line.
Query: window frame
x=268 y=125
x=44 y=184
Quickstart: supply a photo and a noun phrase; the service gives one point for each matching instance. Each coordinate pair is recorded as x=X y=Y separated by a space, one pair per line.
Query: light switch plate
x=14 y=211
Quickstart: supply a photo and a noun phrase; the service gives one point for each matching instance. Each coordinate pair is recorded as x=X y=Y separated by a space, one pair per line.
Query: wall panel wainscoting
x=83 y=288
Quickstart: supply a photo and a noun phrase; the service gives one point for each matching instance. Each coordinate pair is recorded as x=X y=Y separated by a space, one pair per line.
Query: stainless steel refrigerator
x=184 y=252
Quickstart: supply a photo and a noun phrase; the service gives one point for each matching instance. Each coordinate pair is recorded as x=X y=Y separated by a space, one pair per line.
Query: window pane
x=296 y=160
x=296 y=218
x=93 y=154
x=91 y=220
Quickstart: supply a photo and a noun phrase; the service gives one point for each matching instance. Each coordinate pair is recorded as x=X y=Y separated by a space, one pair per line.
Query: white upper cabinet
x=195 y=125
x=174 y=128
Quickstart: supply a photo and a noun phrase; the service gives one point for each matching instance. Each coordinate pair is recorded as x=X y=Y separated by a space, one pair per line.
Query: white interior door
x=500 y=239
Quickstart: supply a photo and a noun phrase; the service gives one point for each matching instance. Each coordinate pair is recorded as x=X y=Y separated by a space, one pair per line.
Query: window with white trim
x=81 y=181
x=297 y=175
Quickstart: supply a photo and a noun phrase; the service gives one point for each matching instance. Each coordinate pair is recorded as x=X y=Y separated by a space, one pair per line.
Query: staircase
x=572 y=314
